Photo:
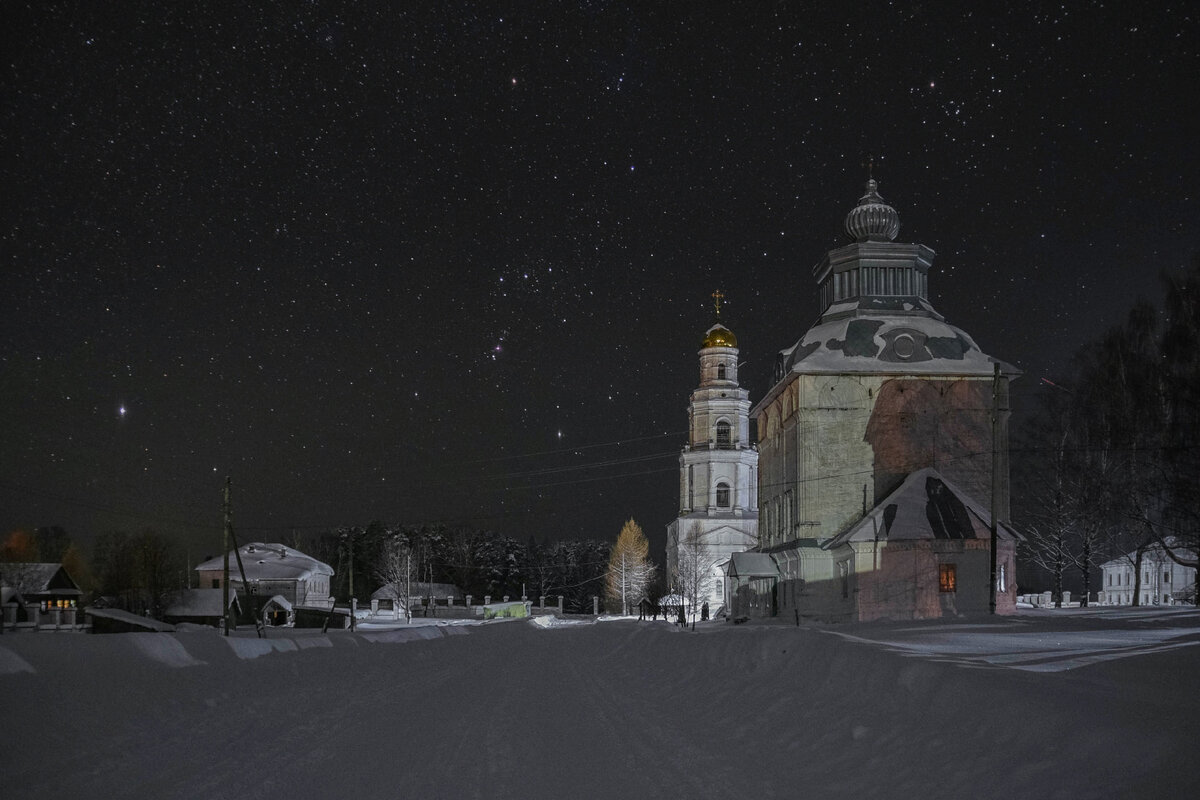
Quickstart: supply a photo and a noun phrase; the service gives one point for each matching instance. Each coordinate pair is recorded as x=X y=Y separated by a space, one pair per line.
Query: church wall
x=848 y=432
x=893 y=580
x=904 y=583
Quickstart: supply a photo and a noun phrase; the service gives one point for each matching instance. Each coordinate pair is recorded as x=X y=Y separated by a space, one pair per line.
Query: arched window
x=722 y=495
x=723 y=440
x=720 y=372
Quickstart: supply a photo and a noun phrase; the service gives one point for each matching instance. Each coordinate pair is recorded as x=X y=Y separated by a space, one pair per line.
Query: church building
x=876 y=446
x=718 y=480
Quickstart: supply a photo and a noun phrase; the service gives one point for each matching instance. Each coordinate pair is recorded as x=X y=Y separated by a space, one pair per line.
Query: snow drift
x=530 y=709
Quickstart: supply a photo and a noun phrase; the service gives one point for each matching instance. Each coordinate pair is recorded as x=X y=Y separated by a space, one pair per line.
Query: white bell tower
x=718 y=475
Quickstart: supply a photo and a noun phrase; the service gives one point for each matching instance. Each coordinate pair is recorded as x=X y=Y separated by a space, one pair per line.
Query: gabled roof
x=925 y=506
x=39 y=579
x=278 y=600
x=269 y=562
x=11 y=595
x=751 y=565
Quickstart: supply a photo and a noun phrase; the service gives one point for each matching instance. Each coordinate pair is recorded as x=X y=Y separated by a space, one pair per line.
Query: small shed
x=200 y=606
x=276 y=611
x=752 y=579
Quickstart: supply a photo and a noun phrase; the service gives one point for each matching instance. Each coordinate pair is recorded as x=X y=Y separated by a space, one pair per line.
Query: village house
x=1164 y=582
x=38 y=594
x=278 y=580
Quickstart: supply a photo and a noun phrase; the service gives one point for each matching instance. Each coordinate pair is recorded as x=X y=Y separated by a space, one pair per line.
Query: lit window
x=947 y=578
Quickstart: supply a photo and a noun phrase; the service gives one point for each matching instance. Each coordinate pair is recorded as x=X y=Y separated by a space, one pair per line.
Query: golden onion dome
x=719 y=336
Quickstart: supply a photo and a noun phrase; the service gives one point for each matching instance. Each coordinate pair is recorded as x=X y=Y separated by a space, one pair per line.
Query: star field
x=453 y=263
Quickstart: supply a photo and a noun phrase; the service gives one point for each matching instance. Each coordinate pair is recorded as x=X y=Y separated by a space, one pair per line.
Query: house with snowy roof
x=879 y=467
x=279 y=578
x=30 y=589
x=1163 y=581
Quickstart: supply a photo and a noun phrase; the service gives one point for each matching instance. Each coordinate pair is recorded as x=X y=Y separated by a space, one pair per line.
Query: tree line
x=140 y=571
x=1110 y=466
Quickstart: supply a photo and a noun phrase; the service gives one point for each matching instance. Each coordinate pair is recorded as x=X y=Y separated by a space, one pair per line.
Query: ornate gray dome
x=872 y=220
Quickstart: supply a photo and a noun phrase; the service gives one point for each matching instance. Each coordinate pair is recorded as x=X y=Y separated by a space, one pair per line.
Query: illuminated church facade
x=718 y=477
x=875 y=450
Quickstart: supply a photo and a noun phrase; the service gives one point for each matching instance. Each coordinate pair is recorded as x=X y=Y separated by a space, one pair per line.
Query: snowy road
x=1099 y=705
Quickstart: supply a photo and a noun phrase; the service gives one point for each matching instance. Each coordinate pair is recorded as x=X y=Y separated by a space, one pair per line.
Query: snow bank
x=545 y=709
x=10 y=662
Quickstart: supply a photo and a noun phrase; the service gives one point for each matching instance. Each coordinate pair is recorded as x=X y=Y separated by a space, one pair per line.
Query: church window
x=723 y=495
x=720 y=372
x=947 y=578
x=691 y=483
x=1166 y=577
x=723 y=439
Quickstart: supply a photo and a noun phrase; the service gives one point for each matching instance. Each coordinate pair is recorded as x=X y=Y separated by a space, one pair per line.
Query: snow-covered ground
x=1097 y=704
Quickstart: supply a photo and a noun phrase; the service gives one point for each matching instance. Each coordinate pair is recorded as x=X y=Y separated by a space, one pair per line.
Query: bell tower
x=718 y=470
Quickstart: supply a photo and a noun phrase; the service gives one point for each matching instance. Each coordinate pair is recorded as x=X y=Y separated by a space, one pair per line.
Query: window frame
x=947 y=578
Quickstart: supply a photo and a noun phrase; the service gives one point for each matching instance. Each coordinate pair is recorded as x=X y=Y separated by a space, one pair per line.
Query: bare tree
x=393 y=567
x=695 y=563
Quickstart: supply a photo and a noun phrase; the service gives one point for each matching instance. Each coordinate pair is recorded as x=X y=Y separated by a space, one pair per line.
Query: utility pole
x=995 y=483
x=350 y=538
x=225 y=549
x=408 y=587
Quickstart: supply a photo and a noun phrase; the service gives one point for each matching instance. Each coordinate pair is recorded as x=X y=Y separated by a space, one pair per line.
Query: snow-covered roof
x=924 y=506
x=198 y=603
x=751 y=565
x=131 y=619
x=1154 y=551
x=34 y=578
x=279 y=601
x=887 y=340
x=269 y=562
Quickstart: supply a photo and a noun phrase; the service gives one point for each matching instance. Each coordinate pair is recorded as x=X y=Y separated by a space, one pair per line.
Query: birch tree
x=694 y=568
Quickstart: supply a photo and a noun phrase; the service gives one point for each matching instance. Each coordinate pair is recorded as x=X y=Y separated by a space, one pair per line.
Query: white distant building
x=718 y=475
x=1164 y=582
x=273 y=570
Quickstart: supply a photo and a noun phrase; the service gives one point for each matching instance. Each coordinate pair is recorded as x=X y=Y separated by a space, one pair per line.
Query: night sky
x=447 y=262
